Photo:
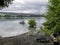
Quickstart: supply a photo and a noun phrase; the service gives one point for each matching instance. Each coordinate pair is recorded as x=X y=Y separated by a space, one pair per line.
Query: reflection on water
x=12 y=27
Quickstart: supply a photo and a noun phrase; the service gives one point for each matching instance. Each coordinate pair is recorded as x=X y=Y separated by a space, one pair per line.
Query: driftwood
x=54 y=40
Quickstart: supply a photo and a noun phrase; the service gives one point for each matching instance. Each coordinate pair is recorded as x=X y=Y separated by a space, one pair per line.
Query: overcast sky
x=27 y=6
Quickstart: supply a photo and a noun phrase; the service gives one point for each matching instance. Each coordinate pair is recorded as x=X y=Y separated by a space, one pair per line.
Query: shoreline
x=24 y=39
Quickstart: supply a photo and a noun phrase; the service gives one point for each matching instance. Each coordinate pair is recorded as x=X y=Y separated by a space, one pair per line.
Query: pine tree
x=53 y=16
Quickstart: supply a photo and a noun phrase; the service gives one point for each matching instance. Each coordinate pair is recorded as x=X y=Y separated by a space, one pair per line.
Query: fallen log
x=54 y=39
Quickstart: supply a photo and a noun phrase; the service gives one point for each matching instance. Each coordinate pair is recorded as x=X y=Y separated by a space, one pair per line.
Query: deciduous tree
x=5 y=3
x=53 y=16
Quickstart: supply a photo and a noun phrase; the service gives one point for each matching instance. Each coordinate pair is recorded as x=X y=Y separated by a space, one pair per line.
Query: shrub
x=32 y=23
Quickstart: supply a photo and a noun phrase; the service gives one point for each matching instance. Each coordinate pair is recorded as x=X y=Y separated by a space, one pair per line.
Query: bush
x=57 y=29
x=32 y=23
x=47 y=32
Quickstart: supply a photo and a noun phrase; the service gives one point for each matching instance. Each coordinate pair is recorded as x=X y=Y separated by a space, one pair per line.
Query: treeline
x=22 y=16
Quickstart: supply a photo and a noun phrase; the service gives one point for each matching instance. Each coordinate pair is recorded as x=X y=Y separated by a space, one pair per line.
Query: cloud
x=27 y=6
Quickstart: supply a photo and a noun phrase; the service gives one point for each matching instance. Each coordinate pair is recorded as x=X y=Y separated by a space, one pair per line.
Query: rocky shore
x=24 y=39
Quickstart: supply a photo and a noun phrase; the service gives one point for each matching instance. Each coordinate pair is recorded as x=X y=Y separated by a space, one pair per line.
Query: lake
x=11 y=27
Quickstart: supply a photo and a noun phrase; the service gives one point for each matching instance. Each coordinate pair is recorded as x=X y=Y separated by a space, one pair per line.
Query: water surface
x=12 y=27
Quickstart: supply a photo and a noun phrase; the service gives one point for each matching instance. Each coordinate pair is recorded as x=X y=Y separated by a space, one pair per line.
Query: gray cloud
x=27 y=7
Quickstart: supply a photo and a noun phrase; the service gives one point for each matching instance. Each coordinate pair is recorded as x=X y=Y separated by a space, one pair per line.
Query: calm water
x=12 y=27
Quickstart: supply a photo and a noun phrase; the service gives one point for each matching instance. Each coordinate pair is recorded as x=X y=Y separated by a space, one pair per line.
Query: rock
x=43 y=40
x=22 y=22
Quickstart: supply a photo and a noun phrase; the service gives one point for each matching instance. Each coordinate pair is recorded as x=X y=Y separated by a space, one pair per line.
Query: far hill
x=21 y=14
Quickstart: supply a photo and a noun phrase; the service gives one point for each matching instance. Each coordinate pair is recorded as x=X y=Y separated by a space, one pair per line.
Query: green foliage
x=47 y=32
x=57 y=29
x=32 y=23
x=53 y=17
x=5 y=3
